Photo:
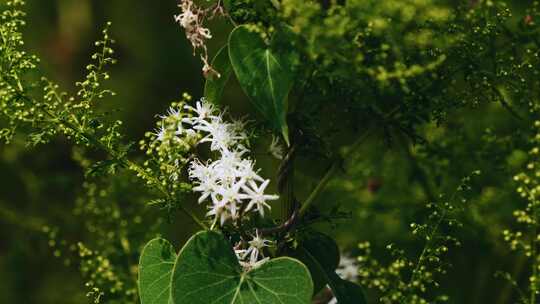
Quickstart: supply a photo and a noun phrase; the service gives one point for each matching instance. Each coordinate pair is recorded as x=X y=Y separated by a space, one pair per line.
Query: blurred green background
x=156 y=65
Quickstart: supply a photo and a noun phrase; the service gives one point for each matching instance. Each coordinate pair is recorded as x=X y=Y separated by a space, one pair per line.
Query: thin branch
x=123 y=161
x=284 y=227
x=336 y=165
x=24 y=221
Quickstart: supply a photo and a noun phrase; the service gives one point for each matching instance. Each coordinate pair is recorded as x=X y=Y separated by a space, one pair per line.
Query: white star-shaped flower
x=255 y=248
x=257 y=198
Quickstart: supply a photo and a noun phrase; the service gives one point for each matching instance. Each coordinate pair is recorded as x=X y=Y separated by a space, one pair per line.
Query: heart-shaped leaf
x=264 y=75
x=207 y=271
x=213 y=88
x=155 y=269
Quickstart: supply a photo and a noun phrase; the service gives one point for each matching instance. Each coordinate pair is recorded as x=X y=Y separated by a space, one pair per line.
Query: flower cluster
x=251 y=257
x=230 y=182
x=191 y=19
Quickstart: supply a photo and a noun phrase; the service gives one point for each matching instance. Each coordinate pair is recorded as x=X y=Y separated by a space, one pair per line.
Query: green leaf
x=319 y=253
x=213 y=88
x=347 y=292
x=207 y=271
x=264 y=75
x=155 y=269
x=324 y=249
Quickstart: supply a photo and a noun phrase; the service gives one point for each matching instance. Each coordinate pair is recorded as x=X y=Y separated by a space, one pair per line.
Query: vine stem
x=336 y=165
x=319 y=188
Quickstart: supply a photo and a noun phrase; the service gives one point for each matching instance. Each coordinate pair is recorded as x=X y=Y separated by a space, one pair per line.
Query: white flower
x=247 y=173
x=348 y=268
x=187 y=17
x=255 y=248
x=238 y=127
x=239 y=252
x=275 y=148
x=171 y=112
x=219 y=210
x=191 y=19
x=203 y=109
x=227 y=196
x=204 y=32
x=218 y=136
x=210 y=181
x=257 y=198
x=230 y=181
x=160 y=133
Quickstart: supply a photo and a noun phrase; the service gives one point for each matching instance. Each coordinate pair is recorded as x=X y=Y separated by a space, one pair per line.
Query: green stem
x=422 y=256
x=23 y=221
x=336 y=164
x=213 y=226
x=334 y=167
x=506 y=293
x=418 y=172
x=286 y=184
x=319 y=188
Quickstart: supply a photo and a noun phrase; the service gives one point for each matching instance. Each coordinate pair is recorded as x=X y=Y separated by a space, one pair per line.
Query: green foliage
x=526 y=238
x=55 y=111
x=213 y=87
x=407 y=280
x=265 y=75
x=15 y=63
x=207 y=271
x=320 y=253
x=382 y=104
x=155 y=269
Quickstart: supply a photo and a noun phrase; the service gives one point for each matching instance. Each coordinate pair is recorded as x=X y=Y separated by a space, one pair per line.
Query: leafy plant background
x=384 y=192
